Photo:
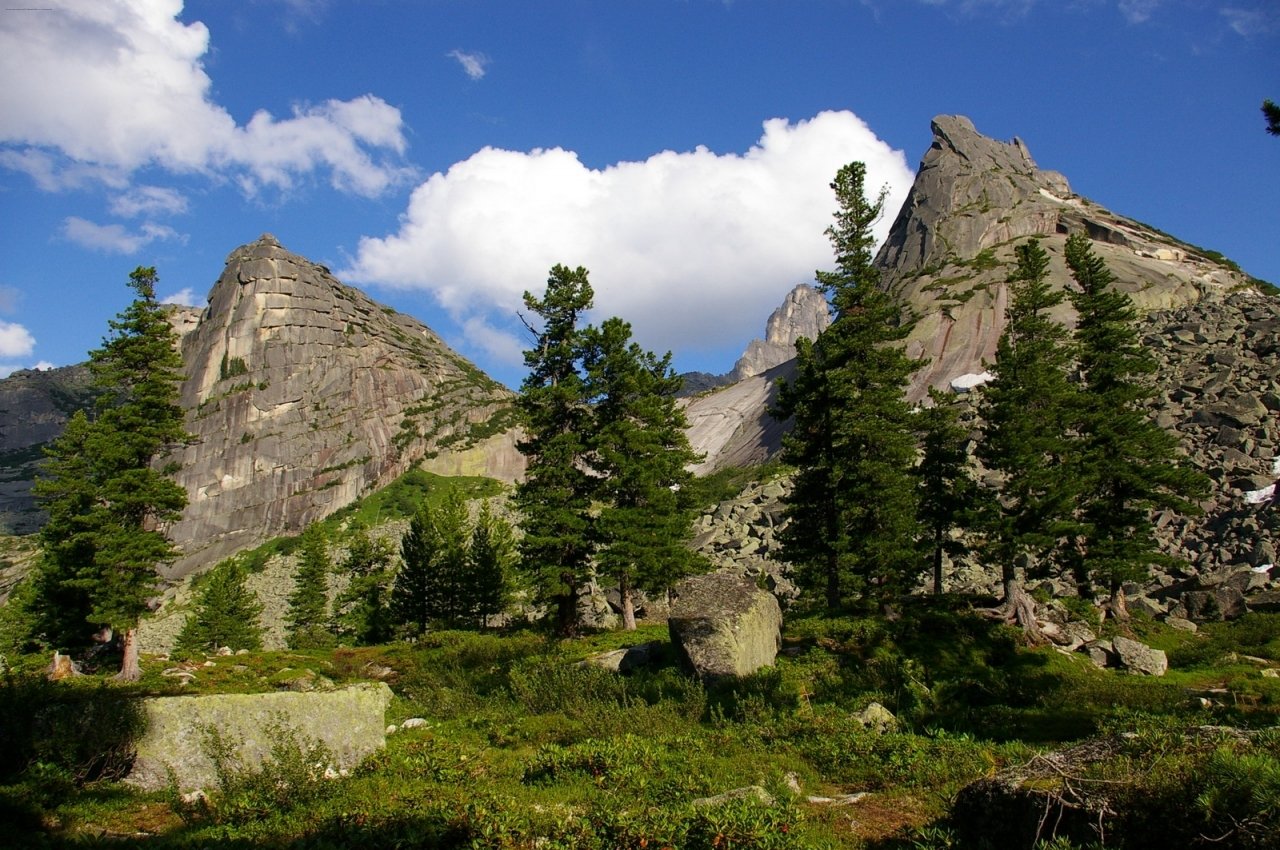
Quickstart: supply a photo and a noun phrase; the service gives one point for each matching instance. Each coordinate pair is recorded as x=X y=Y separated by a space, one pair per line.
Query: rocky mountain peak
x=803 y=314
x=951 y=248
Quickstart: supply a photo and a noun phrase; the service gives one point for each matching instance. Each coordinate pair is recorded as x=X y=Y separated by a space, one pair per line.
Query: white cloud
x=15 y=340
x=184 y=297
x=1138 y=11
x=99 y=90
x=1247 y=22
x=114 y=238
x=149 y=201
x=474 y=64
x=44 y=366
x=669 y=241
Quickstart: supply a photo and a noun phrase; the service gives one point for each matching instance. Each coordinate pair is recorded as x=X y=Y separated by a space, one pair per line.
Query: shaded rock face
x=951 y=248
x=803 y=315
x=732 y=426
x=351 y=723
x=723 y=626
x=34 y=409
x=303 y=395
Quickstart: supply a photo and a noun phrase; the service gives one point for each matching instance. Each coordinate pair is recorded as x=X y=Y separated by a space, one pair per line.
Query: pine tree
x=433 y=586
x=555 y=496
x=1126 y=464
x=107 y=501
x=1271 y=113
x=225 y=614
x=308 y=616
x=489 y=558
x=360 y=611
x=1027 y=411
x=949 y=495
x=641 y=454
x=852 y=510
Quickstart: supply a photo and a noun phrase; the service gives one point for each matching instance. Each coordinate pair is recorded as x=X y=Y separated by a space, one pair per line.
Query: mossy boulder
x=724 y=626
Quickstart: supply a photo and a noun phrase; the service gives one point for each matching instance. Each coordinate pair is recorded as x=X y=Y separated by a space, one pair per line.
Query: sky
x=443 y=155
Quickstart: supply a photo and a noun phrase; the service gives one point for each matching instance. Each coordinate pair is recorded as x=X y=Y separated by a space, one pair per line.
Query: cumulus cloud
x=114 y=238
x=669 y=241
x=96 y=91
x=149 y=201
x=474 y=64
x=15 y=340
x=44 y=366
x=185 y=297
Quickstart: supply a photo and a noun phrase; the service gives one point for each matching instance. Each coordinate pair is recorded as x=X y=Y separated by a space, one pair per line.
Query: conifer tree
x=489 y=556
x=949 y=495
x=225 y=614
x=852 y=511
x=360 y=611
x=641 y=454
x=555 y=496
x=108 y=502
x=1126 y=465
x=308 y=615
x=1027 y=411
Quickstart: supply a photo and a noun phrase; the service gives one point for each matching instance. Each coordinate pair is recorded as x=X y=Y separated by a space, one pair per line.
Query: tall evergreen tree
x=108 y=502
x=360 y=611
x=641 y=454
x=1126 y=464
x=949 y=496
x=490 y=555
x=1271 y=112
x=555 y=496
x=1027 y=411
x=853 y=507
x=225 y=614
x=307 y=619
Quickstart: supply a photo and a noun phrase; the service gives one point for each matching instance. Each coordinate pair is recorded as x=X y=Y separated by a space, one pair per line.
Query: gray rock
x=622 y=660
x=1139 y=658
x=804 y=314
x=749 y=792
x=1181 y=624
x=722 y=625
x=877 y=718
x=350 y=723
x=1101 y=652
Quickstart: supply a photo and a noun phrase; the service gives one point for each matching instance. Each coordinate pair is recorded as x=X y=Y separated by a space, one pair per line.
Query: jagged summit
x=951 y=247
x=803 y=314
x=304 y=394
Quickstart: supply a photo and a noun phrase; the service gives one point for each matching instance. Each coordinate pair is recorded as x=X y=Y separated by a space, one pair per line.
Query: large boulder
x=723 y=625
x=350 y=723
x=1139 y=658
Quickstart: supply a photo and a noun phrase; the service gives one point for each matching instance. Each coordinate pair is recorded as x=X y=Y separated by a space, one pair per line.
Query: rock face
x=952 y=246
x=803 y=315
x=303 y=395
x=34 y=409
x=351 y=723
x=732 y=426
x=723 y=626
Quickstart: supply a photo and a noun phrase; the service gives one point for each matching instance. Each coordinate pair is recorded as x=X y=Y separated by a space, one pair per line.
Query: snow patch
x=1254 y=497
x=964 y=383
x=1263 y=568
x=1275 y=466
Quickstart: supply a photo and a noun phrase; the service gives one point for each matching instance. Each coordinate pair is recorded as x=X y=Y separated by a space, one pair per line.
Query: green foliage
x=949 y=496
x=1271 y=113
x=104 y=495
x=1125 y=466
x=307 y=619
x=232 y=367
x=555 y=496
x=852 y=511
x=361 y=612
x=226 y=613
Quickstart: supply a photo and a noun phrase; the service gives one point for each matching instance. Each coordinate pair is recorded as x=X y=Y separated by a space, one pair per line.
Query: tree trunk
x=937 y=562
x=833 y=583
x=130 y=668
x=628 y=604
x=567 y=609
x=1019 y=607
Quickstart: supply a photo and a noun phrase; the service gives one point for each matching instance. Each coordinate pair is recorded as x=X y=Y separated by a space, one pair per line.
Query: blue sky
x=443 y=155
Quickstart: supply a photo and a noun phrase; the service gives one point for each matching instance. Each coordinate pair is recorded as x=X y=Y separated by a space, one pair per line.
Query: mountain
x=951 y=248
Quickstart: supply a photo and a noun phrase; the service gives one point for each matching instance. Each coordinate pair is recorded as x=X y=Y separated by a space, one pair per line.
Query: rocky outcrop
x=951 y=248
x=723 y=626
x=803 y=315
x=732 y=426
x=350 y=723
x=34 y=409
x=303 y=395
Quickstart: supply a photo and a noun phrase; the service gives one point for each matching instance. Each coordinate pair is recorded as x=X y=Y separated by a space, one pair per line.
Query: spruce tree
x=489 y=558
x=641 y=455
x=433 y=587
x=1126 y=465
x=307 y=619
x=360 y=611
x=108 y=502
x=226 y=613
x=555 y=496
x=1027 y=412
x=949 y=497
x=852 y=510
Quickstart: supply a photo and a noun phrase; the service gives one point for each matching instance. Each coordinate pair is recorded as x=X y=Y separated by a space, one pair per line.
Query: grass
x=525 y=746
